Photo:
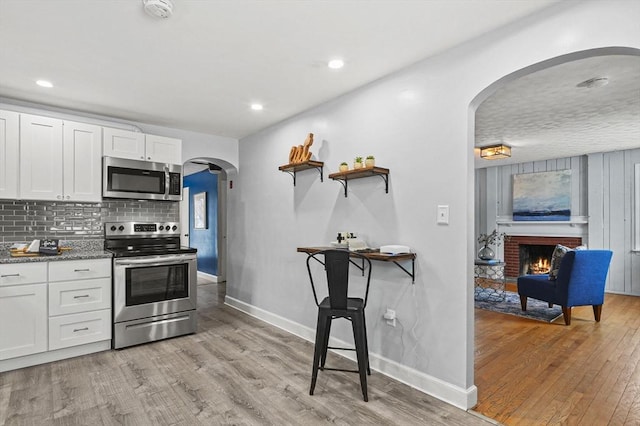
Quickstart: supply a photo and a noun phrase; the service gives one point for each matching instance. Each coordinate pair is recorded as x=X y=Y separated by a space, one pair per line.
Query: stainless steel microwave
x=141 y=180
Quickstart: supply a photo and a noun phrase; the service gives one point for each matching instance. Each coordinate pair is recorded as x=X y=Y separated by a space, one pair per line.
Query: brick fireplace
x=512 y=249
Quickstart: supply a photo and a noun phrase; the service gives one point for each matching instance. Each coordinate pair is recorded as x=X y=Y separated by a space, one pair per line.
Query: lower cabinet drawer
x=78 y=329
x=71 y=297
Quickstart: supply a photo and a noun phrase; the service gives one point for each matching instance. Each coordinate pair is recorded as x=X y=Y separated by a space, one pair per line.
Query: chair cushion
x=538 y=287
x=556 y=260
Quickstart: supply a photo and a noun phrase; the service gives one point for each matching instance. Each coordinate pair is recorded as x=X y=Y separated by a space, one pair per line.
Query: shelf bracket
x=319 y=169
x=292 y=174
x=344 y=185
x=385 y=178
x=412 y=274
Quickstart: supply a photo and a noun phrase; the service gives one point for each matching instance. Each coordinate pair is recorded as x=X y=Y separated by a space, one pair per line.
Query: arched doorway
x=203 y=214
x=491 y=210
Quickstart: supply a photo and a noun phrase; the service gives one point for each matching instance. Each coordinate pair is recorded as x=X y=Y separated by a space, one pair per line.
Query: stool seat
x=338 y=305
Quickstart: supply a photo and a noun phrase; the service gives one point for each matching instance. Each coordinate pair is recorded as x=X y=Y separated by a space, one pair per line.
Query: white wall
x=426 y=140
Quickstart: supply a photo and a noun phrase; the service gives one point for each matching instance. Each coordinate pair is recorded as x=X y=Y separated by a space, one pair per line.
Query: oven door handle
x=154 y=262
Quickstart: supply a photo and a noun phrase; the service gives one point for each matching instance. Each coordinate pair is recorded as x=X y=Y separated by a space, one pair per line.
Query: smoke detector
x=158 y=8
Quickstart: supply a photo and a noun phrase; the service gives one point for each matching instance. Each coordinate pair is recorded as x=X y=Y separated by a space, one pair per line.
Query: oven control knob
x=161 y=228
x=120 y=228
x=113 y=227
x=174 y=227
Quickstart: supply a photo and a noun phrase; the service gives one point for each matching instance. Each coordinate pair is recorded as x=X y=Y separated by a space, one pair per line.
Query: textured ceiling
x=545 y=115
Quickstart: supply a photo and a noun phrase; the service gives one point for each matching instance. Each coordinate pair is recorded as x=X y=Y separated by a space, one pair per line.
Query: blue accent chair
x=581 y=280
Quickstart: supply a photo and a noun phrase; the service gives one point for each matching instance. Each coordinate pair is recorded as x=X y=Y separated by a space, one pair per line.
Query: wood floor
x=235 y=370
x=534 y=373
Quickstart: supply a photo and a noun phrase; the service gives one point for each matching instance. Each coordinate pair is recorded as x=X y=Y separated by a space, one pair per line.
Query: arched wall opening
x=487 y=92
x=203 y=213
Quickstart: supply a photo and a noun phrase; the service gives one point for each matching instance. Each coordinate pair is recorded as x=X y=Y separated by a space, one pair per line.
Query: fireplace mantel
x=576 y=227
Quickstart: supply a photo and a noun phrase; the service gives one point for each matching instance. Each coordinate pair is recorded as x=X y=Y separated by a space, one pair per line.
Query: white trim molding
x=451 y=394
x=636 y=210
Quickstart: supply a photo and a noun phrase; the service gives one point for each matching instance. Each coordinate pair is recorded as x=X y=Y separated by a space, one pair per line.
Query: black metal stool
x=338 y=305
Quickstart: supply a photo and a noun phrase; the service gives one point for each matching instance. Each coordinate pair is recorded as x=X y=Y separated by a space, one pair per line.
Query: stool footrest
x=342 y=349
x=339 y=369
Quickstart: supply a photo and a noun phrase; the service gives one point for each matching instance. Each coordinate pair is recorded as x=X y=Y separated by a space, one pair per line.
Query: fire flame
x=540 y=266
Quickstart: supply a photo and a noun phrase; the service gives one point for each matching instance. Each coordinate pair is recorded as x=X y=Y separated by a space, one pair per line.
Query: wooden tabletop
x=385 y=257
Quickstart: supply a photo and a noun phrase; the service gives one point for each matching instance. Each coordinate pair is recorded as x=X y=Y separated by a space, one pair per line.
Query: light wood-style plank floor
x=534 y=373
x=235 y=370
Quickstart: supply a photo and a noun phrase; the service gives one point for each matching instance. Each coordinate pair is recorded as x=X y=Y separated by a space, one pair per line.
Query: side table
x=490 y=281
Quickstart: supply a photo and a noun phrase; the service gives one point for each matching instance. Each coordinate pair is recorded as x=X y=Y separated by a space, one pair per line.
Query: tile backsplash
x=22 y=221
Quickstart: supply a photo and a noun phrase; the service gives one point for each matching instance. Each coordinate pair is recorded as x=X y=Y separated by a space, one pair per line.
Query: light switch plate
x=443 y=215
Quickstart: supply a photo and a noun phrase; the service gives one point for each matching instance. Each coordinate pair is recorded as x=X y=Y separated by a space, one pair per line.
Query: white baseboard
x=207 y=277
x=451 y=394
x=55 y=355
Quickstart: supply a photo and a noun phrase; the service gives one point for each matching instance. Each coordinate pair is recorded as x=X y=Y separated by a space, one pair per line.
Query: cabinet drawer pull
x=78 y=297
x=82 y=270
x=9 y=275
x=80 y=329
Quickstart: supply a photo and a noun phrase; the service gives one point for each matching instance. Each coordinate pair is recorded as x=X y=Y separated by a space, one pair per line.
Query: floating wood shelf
x=294 y=168
x=345 y=177
x=383 y=257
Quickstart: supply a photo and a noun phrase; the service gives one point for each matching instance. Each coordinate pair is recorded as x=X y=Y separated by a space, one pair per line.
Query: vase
x=344 y=168
x=485 y=253
x=369 y=162
x=357 y=165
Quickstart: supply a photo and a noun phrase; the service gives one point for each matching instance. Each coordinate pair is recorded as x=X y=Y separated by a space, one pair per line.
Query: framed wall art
x=200 y=210
x=544 y=196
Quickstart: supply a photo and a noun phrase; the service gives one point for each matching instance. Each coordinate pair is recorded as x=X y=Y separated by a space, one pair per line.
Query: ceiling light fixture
x=256 y=107
x=495 y=152
x=44 y=83
x=594 y=82
x=335 y=64
x=158 y=8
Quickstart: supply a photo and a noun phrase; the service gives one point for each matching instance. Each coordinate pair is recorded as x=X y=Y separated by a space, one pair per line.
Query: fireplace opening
x=535 y=259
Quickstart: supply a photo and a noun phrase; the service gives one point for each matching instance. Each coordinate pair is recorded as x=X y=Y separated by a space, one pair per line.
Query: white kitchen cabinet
x=79 y=329
x=40 y=158
x=23 y=309
x=123 y=144
x=163 y=150
x=79 y=302
x=59 y=160
x=138 y=146
x=82 y=162
x=9 y=143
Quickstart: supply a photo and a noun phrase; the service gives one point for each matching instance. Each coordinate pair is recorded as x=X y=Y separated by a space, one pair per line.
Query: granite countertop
x=80 y=250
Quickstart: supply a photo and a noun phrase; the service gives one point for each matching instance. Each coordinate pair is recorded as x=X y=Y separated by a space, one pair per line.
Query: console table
x=375 y=255
x=490 y=281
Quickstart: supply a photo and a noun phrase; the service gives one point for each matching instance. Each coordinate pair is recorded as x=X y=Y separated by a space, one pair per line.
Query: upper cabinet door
x=82 y=162
x=9 y=142
x=41 y=160
x=123 y=144
x=163 y=150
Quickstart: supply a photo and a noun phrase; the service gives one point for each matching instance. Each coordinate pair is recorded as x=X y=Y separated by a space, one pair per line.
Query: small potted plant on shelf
x=370 y=161
x=494 y=238
x=357 y=163
x=344 y=167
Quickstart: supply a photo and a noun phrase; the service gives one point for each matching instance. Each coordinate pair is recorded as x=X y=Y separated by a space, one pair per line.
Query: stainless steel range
x=154 y=282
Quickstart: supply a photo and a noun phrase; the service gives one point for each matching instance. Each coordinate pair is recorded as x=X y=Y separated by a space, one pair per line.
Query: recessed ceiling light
x=594 y=82
x=335 y=64
x=44 y=83
x=257 y=107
